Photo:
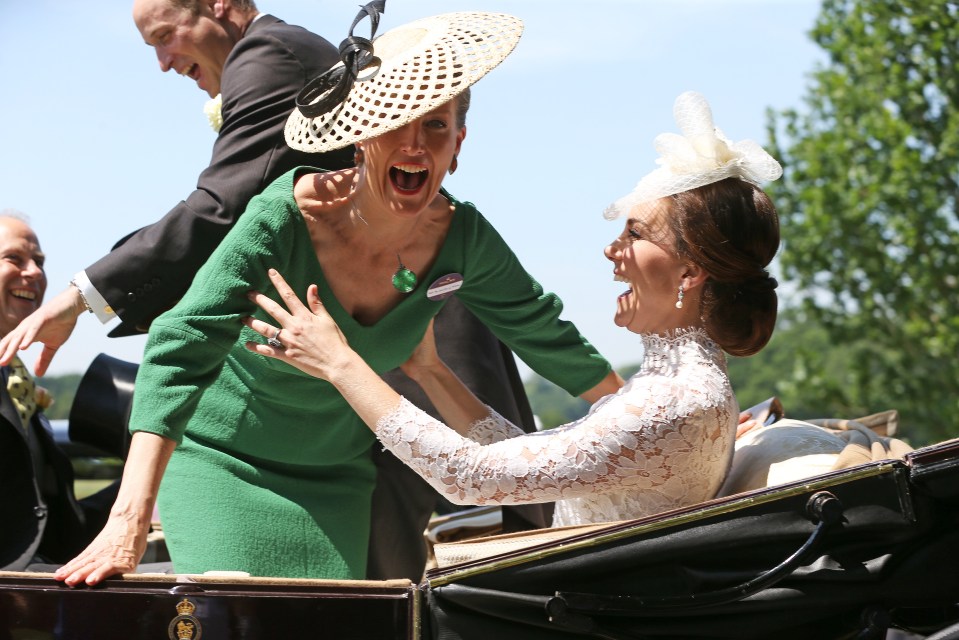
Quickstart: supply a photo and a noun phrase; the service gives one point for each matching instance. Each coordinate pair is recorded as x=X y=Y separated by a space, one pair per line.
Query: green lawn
x=84 y=488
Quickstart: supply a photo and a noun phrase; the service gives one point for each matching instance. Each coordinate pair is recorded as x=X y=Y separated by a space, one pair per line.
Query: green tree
x=62 y=389
x=813 y=377
x=553 y=405
x=870 y=205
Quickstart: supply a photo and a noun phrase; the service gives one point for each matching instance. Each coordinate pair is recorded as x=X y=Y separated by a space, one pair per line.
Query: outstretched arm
x=586 y=457
x=458 y=406
x=51 y=324
x=612 y=383
x=313 y=343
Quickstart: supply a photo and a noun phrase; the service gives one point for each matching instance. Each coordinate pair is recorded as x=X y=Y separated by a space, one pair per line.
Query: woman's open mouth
x=408 y=178
x=620 y=278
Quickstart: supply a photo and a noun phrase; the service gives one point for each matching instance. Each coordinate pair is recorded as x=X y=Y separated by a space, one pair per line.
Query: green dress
x=273 y=474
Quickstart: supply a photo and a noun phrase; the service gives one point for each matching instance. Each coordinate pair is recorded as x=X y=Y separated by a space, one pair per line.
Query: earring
x=679 y=301
x=358 y=157
x=453 y=165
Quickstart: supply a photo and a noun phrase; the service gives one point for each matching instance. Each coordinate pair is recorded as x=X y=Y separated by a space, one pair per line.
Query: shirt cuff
x=100 y=307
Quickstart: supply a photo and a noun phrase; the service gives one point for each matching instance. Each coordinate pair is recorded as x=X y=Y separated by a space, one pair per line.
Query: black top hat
x=100 y=413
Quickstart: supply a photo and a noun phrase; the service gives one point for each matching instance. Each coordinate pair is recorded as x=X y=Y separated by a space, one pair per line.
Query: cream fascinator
x=701 y=155
x=401 y=75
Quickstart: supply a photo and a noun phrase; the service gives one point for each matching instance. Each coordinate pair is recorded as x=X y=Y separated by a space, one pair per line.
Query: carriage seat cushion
x=790 y=450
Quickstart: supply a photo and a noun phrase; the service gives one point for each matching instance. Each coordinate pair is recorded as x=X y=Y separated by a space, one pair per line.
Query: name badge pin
x=444 y=286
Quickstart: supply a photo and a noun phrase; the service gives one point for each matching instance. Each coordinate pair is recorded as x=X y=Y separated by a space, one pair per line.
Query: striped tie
x=22 y=390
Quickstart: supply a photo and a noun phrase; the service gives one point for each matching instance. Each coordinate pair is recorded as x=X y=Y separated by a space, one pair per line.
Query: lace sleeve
x=492 y=428
x=626 y=442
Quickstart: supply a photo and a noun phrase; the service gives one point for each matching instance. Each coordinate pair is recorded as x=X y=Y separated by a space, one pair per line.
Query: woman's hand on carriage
x=116 y=550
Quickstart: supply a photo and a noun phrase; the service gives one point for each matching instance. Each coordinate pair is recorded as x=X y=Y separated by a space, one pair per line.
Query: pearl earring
x=679 y=301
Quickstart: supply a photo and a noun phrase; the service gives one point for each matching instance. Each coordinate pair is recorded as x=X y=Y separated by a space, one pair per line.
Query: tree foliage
x=63 y=389
x=813 y=377
x=869 y=204
x=553 y=406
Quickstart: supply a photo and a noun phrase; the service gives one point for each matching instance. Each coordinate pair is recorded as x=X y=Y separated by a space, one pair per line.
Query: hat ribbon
x=332 y=86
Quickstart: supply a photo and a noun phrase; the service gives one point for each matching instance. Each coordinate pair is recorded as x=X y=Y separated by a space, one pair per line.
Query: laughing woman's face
x=405 y=167
x=644 y=257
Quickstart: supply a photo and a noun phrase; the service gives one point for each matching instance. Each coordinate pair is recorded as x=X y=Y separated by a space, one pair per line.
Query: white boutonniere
x=42 y=397
x=212 y=109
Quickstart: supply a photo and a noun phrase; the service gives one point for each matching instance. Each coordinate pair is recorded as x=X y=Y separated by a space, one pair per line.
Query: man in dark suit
x=43 y=522
x=257 y=64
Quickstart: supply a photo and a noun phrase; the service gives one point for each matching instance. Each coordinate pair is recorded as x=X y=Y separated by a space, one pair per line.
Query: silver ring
x=275 y=340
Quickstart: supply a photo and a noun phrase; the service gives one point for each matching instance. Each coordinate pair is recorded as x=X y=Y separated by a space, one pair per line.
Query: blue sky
x=96 y=142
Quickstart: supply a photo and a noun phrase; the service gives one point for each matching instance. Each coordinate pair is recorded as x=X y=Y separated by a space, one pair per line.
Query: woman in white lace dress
x=698 y=237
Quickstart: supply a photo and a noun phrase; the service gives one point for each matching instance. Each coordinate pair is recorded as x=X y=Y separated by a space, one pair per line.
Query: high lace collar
x=670 y=350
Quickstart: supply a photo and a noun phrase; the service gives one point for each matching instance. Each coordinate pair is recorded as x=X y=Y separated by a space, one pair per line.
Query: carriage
x=863 y=552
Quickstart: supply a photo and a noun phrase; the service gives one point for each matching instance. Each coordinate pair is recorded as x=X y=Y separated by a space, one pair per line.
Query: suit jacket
x=41 y=515
x=150 y=269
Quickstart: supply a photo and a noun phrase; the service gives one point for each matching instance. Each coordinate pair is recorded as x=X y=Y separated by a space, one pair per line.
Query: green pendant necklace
x=404 y=280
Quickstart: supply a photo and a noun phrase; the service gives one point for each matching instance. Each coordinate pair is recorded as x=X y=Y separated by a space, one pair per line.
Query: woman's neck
x=680 y=345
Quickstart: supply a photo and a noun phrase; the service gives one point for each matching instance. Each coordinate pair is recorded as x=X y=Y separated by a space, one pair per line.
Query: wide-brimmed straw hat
x=701 y=156
x=418 y=67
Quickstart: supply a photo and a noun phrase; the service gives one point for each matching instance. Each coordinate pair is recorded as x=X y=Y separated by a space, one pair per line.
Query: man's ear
x=220 y=8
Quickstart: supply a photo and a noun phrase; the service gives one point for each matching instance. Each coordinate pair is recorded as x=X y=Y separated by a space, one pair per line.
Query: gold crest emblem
x=185 y=626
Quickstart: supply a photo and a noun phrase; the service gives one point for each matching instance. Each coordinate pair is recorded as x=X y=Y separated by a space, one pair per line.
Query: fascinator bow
x=700 y=156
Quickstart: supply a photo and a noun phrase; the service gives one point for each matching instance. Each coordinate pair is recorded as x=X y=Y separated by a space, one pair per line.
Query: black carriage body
x=145 y=607
x=890 y=559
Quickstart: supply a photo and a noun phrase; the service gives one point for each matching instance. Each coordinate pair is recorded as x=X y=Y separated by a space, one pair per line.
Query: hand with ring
x=275 y=340
x=312 y=342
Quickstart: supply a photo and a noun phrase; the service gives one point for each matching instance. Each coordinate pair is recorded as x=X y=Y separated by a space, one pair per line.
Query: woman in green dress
x=266 y=469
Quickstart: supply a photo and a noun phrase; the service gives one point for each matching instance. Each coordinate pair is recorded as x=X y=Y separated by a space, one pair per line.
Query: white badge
x=444 y=286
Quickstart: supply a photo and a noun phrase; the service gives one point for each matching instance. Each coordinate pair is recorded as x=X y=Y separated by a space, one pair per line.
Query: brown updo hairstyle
x=731 y=229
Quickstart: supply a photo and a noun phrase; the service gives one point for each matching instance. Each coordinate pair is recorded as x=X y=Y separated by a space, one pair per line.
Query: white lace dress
x=663 y=441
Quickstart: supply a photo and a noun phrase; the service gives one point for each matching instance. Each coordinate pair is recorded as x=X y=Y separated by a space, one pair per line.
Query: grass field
x=84 y=488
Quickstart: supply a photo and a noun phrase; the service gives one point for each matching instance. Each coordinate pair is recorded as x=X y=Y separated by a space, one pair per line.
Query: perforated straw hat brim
x=424 y=64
